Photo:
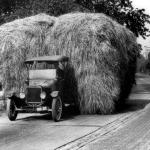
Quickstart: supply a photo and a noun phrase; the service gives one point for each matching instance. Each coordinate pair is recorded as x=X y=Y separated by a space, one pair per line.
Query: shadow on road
x=35 y=117
x=133 y=105
x=69 y=113
x=139 y=101
x=142 y=75
x=141 y=88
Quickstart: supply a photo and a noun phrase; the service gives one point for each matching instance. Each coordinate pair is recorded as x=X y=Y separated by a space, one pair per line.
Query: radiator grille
x=33 y=94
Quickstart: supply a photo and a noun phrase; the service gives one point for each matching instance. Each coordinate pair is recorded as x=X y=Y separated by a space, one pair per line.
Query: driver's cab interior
x=45 y=70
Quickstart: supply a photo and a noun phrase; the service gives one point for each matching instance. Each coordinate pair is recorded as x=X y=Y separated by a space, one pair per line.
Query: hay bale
x=103 y=56
x=20 y=39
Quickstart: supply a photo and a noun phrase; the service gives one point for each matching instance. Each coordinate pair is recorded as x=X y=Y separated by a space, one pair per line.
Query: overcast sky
x=146 y=5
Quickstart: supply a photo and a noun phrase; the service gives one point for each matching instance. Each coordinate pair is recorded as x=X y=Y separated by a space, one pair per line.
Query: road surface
x=128 y=129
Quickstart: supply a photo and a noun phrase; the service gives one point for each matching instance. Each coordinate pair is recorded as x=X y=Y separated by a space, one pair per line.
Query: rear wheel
x=11 y=110
x=56 y=109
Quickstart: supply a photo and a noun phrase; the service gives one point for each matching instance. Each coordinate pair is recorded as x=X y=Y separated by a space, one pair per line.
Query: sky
x=146 y=5
x=142 y=4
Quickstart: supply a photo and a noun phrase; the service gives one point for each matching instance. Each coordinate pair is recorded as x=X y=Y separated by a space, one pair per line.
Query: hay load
x=103 y=56
x=20 y=39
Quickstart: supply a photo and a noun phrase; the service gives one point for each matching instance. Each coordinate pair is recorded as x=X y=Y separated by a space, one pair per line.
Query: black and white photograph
x=74 y=75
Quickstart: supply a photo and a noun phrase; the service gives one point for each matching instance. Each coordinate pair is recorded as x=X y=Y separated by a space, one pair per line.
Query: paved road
x=36 y=132
x=135 y=135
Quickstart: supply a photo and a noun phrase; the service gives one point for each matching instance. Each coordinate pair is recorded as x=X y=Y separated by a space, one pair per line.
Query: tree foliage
x=123 y=12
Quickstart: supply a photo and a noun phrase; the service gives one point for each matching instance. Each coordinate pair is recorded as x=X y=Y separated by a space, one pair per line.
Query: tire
x=56 y=109
x=11 y=110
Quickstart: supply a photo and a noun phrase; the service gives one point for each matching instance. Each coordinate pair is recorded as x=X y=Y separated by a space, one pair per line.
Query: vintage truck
x=43 y=92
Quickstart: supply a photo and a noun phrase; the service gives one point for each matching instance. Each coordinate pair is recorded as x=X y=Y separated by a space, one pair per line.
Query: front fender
x=18 y=102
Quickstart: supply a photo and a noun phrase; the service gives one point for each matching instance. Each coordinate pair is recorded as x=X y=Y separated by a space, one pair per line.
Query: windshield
x=43 y=65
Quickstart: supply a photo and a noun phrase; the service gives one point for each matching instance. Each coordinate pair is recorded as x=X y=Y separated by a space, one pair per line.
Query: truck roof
x=54 y=58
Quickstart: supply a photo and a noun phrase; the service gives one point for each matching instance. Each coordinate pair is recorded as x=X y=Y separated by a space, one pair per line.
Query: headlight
x=43 y=95
x=54 y=94
x=22 y=95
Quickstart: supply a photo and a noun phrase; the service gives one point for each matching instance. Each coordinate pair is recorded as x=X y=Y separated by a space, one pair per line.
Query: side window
x=41 y=66
x=51 y=66
x=34 y=65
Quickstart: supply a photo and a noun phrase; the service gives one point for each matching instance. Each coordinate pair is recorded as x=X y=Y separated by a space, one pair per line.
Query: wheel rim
x=58 y=108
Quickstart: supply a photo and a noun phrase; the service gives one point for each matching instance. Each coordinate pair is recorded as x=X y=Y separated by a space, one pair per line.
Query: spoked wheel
x=56 y=109
x=11 y=110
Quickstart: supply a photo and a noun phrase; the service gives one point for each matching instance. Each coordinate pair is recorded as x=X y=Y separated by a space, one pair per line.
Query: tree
x=24 y=8
x=147 y=63
x=123 y=12
x=9 y=7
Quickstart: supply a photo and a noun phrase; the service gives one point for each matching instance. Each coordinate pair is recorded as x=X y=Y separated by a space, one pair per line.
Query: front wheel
x=11 y=110
x=56 y=109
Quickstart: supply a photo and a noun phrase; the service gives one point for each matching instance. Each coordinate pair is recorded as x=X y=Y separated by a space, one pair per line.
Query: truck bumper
x=41 y=109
